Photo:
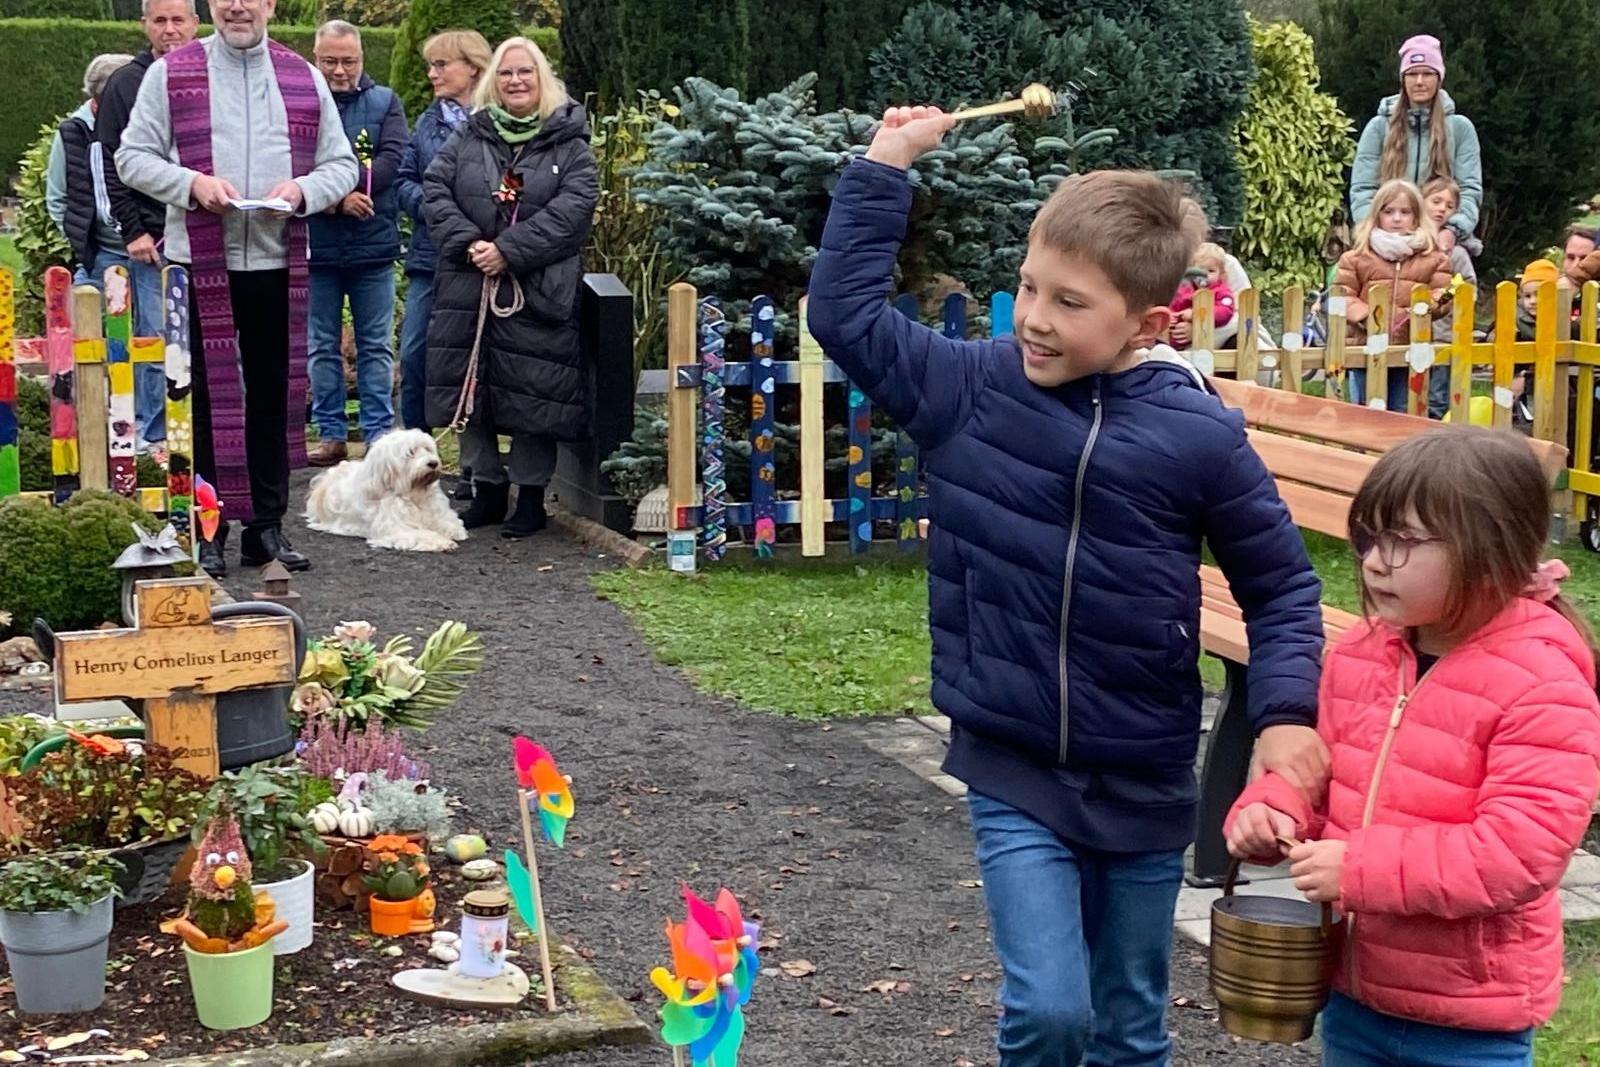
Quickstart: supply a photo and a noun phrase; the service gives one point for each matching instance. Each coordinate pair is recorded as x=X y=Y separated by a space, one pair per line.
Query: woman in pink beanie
x=1417 y=135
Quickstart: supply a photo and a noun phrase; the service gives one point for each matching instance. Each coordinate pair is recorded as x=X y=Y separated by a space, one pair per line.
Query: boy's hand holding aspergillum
x=906 y=133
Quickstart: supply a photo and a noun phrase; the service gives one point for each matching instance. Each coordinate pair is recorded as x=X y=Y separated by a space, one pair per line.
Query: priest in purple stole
x=228 y=118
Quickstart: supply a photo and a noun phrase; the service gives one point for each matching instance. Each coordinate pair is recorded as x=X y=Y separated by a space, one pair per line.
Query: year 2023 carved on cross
x=177 y=661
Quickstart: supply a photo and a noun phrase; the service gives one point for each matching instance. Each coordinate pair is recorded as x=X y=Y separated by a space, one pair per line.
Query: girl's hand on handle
x=906 y=133
x=1316 y=867
x=1256 y=830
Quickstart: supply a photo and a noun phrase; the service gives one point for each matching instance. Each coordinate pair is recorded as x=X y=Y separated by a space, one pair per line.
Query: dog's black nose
x=433 y=464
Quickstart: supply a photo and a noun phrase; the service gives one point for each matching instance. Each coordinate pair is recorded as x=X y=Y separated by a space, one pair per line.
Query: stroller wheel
x=1589 y=534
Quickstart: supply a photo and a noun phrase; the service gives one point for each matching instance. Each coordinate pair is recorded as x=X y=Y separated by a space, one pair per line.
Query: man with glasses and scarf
x=241 y=139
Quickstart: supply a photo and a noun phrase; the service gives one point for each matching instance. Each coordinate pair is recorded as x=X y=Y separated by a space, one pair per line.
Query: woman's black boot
x=529 y=518
x=488 y=504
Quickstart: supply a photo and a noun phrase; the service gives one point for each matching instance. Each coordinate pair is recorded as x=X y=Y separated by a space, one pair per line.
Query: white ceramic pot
x=295 y=898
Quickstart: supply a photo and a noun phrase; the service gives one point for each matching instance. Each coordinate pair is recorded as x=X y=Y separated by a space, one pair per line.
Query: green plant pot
x=232 y=990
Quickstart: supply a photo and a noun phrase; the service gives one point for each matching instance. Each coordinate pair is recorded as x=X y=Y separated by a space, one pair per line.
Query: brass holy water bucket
x=1272 y=963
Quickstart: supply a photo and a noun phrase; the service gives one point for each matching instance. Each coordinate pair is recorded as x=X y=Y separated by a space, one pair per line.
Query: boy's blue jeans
x=1084 y=940
x=371 y=293
x=1357 y=1036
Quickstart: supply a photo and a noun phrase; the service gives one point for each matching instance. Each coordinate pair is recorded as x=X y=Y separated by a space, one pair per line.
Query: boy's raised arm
x=925 y=382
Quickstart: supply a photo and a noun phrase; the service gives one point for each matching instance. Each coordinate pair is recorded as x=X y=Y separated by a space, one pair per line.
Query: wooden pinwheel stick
x=524 y=796
x=1036 y=102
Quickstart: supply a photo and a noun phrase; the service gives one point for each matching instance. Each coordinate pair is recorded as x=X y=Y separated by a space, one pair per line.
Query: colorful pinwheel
x=537 y=773
x=714 y=965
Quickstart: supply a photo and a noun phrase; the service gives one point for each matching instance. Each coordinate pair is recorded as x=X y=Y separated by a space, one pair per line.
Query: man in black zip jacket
x=168 y=24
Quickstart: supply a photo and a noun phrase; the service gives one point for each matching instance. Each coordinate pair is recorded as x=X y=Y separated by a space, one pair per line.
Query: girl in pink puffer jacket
x=1464 y=731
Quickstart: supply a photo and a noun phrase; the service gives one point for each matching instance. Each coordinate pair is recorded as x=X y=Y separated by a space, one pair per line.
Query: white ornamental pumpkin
x=357 y=823
x=325 y=817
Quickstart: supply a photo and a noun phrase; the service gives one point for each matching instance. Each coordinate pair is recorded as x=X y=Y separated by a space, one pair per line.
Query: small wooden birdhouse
x=275 y=588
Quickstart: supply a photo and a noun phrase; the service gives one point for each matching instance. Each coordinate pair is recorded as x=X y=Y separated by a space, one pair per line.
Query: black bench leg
x=1222 y=778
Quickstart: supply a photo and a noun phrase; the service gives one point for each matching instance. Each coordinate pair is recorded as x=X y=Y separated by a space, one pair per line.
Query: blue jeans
x=1084 y=939
x=1357 y=1036
x=414 y=351
x=1355 y=383
x=371 y=293
x=149 y=379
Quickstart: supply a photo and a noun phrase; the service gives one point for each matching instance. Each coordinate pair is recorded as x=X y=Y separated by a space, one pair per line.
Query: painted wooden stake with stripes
x=763 y=454
x=859 y=471
x=713 y=529
x=813 y=512
x=10 y=459
x=682 y=410
x=907 y=535
x=59 y=362
x=180 y=420
x=91 y=389
x=121 y=427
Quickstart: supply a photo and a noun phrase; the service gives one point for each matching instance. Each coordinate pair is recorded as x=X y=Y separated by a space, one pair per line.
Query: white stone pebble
x=444 y=953
x=445 y=937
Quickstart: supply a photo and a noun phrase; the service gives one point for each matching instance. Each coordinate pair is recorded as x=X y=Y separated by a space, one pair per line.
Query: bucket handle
x=1233 y=877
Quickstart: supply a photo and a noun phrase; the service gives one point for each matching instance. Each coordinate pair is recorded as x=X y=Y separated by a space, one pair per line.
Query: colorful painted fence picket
x=87 y=355
x=1551 y=375
x=699 y=380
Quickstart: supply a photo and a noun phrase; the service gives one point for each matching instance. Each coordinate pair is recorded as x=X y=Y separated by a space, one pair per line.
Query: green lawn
x=1572 y=1038
x=806 y=638
x=842 y=637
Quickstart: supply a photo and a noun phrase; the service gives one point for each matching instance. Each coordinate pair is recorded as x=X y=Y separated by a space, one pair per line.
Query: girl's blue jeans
x=1357 y=1036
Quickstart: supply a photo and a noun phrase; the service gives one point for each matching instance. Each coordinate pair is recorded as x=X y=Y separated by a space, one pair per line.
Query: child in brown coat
x=1395 y=244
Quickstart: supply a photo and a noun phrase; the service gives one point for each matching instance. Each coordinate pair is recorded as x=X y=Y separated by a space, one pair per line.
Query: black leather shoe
x=261 y=545
x=212 y=561
x=463 y=491
x=488 y=505
x=529 y=518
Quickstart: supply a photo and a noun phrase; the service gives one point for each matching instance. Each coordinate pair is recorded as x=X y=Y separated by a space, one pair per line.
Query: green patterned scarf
x=512 y=129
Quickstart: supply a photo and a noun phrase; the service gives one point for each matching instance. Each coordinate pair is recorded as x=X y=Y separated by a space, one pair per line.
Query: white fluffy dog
x=392 y=497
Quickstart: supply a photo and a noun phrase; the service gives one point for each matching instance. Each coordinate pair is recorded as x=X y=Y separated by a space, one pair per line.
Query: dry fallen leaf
x=798 y=968
x=944 y=1031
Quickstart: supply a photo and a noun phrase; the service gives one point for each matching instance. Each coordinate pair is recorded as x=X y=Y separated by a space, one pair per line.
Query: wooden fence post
x=1465 y=309
x=1248 y=363
x=813 y=453
x=1337 y=305
x=90 y=396
x=10 y=461
x=1419 y=351
x=1291 y=356
x=1505 y=339
x=1544 y=364
x=1380 y=316
x=680 y=404
x=1203 y=332
x=1582 y=458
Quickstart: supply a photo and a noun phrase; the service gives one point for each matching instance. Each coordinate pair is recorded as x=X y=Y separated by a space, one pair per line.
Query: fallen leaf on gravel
x=962 y=1061
x=970 y=883
x=547 y=568
x=952 y=925
x=944 y=1031
x=56 y=1044
x=833 y=1008
x=798 y=968
x=887 y=986
x=966 y=978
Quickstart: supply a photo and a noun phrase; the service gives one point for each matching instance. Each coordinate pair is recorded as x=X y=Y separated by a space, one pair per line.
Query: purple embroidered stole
x=189 y=100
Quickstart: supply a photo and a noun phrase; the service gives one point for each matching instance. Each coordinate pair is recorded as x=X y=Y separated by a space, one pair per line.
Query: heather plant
x=334 y=754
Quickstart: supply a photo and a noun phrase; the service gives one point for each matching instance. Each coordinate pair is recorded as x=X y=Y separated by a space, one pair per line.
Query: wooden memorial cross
x=177 y=660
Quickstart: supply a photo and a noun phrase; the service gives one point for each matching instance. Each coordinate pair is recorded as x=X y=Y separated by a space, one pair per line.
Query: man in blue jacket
x=1073 y=470
x=353 y=251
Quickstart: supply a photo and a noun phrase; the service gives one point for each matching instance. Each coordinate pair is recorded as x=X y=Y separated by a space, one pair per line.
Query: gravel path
x=852 y=863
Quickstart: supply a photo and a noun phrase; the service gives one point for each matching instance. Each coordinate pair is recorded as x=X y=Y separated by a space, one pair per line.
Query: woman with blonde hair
x=456 y=62
x=1417 y=135
x=509 y=202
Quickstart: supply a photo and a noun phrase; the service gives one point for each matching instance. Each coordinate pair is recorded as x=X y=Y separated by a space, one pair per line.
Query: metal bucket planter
x=147 y=868
x=58 y=958
x=1272 y=963
x=295 y=902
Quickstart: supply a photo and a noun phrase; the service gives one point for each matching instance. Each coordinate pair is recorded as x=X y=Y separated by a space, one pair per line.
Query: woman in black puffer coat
x=510 y=199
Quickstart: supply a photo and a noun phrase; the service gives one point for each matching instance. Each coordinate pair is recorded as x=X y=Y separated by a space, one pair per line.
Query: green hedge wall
x=49 y=89
x=56 y=9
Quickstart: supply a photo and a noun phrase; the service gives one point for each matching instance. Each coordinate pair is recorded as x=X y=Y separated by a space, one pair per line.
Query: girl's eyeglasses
x=1394 y=548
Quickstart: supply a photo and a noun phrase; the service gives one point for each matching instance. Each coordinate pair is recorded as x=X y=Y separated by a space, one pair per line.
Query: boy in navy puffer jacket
x=1073 y=470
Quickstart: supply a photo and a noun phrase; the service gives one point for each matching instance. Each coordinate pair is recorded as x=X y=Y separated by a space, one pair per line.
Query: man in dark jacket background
x=167 y=24
x=353 y=251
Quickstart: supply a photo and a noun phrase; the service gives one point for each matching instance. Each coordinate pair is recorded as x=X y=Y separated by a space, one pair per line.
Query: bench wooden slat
x=1317 y=509
x=1338 y=469
x=1222 y=629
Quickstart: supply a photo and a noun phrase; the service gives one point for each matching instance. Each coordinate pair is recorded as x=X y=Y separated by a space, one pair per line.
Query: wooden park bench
x=1319 y=452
